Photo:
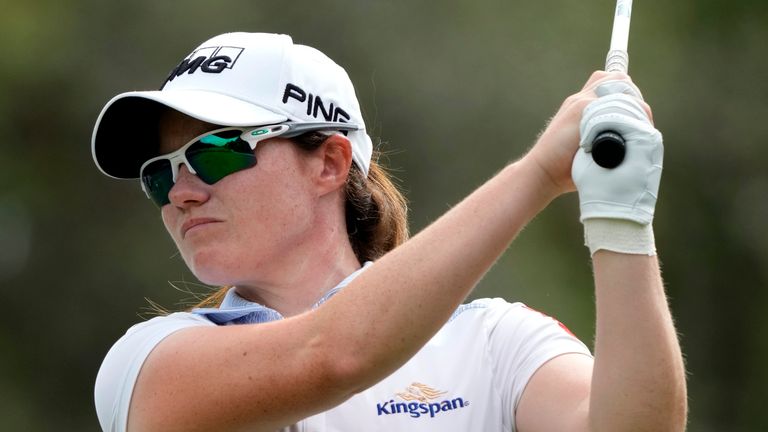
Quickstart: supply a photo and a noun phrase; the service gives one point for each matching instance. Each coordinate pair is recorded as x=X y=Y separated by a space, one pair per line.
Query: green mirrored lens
x=223 y=139
x=213 y=165
x=219 y=155
x=158 y=181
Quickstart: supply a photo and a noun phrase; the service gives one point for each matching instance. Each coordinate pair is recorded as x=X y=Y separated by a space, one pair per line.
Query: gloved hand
x=627 y=192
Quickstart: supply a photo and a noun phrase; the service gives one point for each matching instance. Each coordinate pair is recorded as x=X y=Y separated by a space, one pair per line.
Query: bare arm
x=269 y=375
x=637 y=381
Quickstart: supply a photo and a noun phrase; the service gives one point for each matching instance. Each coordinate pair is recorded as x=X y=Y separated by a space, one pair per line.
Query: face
x=243 y=229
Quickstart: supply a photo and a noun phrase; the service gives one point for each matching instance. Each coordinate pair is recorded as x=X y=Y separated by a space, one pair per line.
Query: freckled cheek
x=251 y=225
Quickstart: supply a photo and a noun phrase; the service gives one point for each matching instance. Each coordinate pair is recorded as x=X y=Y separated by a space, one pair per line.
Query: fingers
x=606 y=88
x=599 y=76
x=618 y=103
x=602 y=83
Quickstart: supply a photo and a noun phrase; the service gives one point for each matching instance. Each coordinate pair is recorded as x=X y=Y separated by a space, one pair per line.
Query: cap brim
x=126 y=133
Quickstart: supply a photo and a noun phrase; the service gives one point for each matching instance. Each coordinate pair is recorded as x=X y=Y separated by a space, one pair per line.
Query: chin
x=212 y=267
x=211 y=278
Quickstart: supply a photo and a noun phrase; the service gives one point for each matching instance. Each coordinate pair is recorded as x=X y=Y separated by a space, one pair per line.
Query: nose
x=188 y=190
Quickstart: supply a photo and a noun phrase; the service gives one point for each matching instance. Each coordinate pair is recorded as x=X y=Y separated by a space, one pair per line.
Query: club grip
x=608 y=149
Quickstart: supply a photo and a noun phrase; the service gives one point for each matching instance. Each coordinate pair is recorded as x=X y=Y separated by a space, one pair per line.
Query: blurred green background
x=454 y=89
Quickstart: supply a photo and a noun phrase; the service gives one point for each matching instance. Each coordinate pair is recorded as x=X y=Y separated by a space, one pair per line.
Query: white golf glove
x=617 y=205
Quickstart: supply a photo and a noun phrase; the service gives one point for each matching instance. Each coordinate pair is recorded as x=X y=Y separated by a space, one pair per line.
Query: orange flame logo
x=420 y=392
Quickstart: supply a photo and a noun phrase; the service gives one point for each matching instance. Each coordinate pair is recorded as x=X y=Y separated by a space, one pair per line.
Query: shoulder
x=492 y=311
x=170 y=321
x=504 y=320
x=519 y=338
x=120 y=368
x=147 y=334
x=519 y=341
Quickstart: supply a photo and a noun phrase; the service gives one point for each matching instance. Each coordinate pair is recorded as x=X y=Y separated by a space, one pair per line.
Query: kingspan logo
x=419 y=400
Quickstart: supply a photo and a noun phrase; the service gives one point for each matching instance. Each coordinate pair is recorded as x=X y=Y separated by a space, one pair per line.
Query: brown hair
x=376 y=211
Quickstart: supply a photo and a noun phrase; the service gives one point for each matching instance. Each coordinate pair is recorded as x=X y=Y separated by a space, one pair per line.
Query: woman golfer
x=256 y=152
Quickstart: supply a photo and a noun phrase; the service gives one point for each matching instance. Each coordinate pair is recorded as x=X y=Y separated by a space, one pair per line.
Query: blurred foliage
x=454 y=89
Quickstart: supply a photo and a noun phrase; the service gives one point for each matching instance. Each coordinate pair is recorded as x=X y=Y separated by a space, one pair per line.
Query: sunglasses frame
x=251 y=135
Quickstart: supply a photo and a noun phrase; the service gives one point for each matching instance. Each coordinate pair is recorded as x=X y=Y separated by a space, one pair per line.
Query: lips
x=196 y=222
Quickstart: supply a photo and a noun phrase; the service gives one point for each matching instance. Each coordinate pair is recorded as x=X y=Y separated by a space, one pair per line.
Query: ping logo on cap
x=315 y=104
x=420 y=399
x=208 y=60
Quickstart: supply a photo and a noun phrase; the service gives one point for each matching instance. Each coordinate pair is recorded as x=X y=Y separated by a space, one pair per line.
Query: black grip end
x=608 y=149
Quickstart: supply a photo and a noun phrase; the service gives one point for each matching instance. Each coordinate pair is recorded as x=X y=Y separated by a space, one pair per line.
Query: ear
x=336 y=154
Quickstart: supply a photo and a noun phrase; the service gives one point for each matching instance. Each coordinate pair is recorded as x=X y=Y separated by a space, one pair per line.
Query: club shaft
x=618 y=59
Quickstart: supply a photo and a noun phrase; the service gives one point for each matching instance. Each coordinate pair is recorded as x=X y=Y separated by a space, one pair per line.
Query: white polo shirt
x=468 y=377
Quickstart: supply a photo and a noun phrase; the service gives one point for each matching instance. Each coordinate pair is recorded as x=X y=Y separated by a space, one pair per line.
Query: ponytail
x=376 y=213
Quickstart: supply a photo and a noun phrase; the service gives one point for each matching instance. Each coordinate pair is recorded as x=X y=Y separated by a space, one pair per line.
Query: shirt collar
x=237 y=310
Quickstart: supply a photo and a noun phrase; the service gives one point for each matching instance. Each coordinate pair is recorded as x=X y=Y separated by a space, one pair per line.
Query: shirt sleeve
x=521 y=340
x=121 y=366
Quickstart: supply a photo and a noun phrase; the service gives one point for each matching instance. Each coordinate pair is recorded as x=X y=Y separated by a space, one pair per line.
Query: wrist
x=547 y=185
x=618 y=235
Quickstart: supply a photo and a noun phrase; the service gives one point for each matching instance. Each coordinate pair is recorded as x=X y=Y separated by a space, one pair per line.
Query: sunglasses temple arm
x=297 y=129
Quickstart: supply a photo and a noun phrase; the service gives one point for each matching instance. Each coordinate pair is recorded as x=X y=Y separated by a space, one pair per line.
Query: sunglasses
x=219 y=153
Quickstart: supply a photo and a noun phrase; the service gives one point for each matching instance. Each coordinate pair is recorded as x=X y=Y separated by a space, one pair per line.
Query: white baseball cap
x=234 y=79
